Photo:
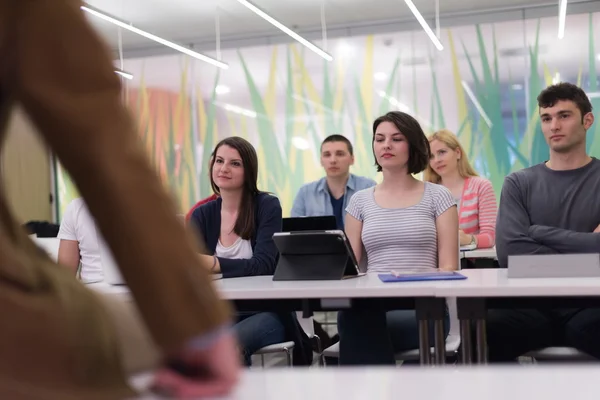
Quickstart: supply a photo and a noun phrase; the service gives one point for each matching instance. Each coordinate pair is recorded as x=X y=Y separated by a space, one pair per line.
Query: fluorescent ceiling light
x=285 y=29
x=517 y=86
x=425 y=25
x=124 y=74
x=477 y=104
x=222 y=89
x=562 y=15
x=380 y=76
x=300 y=143
x=155 y=38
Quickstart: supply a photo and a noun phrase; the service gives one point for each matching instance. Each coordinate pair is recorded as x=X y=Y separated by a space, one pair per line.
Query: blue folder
x=427 y=276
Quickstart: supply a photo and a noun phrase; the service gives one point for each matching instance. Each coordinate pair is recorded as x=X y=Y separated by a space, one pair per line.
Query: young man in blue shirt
x=330 y=195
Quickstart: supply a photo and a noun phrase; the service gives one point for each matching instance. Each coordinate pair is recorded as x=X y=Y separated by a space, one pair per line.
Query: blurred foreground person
x=58 y=339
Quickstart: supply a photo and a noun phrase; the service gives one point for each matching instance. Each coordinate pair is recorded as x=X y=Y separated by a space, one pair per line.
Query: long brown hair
x=245 y=223
x=465 y=169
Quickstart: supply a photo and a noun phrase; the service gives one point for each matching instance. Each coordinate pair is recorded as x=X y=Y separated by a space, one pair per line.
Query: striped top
x=477 y=211
x=400 y=238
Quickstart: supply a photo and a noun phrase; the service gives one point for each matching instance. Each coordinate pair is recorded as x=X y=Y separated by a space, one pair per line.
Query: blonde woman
x=474 y=195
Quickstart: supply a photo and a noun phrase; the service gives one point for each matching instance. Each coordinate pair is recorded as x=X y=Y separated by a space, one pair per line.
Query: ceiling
x=192 y=22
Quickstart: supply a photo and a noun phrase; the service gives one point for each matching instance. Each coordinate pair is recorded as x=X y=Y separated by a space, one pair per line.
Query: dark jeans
x=372 y=337
x=512 y=333
x=257 y=330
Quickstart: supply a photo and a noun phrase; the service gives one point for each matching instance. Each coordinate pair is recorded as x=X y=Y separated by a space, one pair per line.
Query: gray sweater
x=548 y=212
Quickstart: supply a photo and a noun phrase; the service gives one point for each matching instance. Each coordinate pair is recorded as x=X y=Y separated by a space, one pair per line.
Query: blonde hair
x=449 y=139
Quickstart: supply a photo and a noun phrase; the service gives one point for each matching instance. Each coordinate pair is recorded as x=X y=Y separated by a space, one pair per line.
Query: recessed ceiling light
x=300 y=143
x=222 y=89
x=380 y=76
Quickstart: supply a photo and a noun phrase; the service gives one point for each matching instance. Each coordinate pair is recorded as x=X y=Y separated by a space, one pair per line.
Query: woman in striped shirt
x=474 y=195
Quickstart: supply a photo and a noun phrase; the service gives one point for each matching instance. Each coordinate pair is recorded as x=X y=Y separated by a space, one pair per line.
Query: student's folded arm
x=512 y=226
x=488 y=209
x=566 y=241
x=264 y=258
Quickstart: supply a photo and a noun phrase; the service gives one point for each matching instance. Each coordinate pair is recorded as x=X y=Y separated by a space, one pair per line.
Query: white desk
x=495 y=283
x=261 y=293
x=480 y=383
x=480 y=253
x=264 y=288
x=491 y=288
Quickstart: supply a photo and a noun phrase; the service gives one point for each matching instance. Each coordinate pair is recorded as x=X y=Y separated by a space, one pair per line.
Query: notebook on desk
x=414 y=276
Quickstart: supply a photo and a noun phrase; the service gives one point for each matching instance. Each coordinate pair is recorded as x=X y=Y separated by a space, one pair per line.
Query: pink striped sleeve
x=487 y=214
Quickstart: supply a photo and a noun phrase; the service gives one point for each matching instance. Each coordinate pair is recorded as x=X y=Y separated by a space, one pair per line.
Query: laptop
x=296 y=224
x=314 y=255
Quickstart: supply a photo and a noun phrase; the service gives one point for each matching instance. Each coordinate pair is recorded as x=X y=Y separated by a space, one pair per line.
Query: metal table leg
x=465 y=342
x=481 y=339
x=440 y=342
x=424 y=342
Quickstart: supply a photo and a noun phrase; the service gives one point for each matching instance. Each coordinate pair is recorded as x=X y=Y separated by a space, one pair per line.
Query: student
x=330 y=195
x=550 y=208
x=474 y=196
x=238 y=228
x=79 y=244
x=403 y=223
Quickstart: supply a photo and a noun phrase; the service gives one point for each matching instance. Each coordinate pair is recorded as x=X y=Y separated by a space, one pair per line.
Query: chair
x=288 y=347
x=559 y=354
x=452 y=341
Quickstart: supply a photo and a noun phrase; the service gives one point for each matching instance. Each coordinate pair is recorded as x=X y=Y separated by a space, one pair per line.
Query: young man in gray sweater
x=551 y=208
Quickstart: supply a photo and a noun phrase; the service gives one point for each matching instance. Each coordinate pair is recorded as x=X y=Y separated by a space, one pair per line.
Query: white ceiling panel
x=193 y=21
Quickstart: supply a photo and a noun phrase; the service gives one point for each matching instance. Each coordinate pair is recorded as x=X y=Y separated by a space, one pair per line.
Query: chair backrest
x=306 y=324
x=453 y=314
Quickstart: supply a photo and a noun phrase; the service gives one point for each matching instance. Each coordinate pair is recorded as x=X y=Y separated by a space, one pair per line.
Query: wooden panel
x=26 y=171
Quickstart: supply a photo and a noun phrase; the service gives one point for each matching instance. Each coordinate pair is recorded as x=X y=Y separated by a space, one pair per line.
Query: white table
x=448 y=383
x=261 y=293
x=491 y=288
x=481 y=253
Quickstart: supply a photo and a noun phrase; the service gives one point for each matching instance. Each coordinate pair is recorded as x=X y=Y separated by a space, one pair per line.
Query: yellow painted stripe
x=461 y=101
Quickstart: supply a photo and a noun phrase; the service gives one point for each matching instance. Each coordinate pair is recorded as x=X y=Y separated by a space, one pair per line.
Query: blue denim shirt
x=313 y=198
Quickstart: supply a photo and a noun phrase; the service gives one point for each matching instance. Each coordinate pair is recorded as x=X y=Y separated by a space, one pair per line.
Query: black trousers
x=512 y=333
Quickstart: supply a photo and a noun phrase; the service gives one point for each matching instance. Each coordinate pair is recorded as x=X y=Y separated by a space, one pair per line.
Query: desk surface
x=495 y=283
x=463 y=383
x=263 y=287
x=480 y=253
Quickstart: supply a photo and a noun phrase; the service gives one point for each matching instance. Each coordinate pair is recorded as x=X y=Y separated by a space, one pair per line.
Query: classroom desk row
x=462 y=383
x=483 y=289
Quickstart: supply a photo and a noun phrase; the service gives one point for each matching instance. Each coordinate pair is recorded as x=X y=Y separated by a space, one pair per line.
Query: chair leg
x=320 y=350
x=288 y=356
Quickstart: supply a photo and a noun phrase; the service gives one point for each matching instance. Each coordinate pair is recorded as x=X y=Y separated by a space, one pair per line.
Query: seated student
x=475 y=198
x=330 y=195
x=238 y=228
x=403 y=223
x=79 y=244
x=550 y=208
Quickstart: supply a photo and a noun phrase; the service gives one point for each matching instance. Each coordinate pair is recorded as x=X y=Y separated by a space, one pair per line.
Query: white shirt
x=241 y=249
x=78 y=225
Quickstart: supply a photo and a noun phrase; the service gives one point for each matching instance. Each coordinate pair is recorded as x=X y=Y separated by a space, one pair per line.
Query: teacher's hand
x=193 y=373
